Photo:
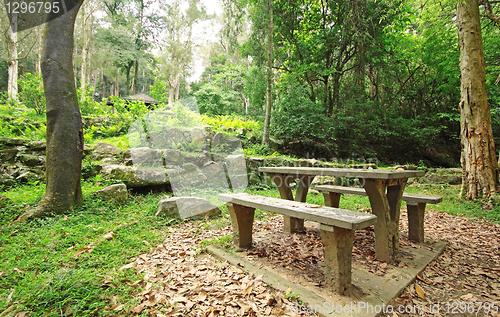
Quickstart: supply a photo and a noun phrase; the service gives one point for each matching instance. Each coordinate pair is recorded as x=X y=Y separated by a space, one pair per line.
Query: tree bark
x=269 y=102
x=87 y=26
x=13 y=63
x=136 y=77
x=479 y=166
x=64 y=121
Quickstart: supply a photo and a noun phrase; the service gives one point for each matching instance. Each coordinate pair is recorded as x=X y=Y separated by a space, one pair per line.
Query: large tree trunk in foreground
x=64 y=121
x=479 y=166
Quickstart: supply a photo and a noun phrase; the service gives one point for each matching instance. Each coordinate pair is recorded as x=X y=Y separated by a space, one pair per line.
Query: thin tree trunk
x=39 y=33
x=136 y=77
x=373 y=83
x=13 y=64
x=269 y=97
x=117 y=83
x=86 y=37
x=64 y=121
x=479 y=165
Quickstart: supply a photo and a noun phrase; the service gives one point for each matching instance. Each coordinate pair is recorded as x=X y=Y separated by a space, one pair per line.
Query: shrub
x=31 y=92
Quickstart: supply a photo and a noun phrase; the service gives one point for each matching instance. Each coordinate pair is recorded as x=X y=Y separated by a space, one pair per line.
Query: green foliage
x=118 y=118
x=159 y=91
x=22 y=123
x=296 y=117
x=90 y=107
x=31 y=92
x=222 y=87
x=234 y=122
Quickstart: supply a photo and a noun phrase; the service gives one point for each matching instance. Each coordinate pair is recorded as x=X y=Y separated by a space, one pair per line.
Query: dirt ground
x=182 y=281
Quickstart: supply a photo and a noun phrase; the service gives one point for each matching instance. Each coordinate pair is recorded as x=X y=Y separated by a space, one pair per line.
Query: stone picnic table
x=384 y=189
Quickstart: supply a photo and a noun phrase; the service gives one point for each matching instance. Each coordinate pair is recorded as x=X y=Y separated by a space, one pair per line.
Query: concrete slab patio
x=371 y=293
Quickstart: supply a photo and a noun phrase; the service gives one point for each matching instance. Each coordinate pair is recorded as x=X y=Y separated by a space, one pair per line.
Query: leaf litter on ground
x=181 y=281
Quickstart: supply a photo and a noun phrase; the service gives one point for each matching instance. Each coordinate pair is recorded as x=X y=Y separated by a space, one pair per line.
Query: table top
x=344 y=172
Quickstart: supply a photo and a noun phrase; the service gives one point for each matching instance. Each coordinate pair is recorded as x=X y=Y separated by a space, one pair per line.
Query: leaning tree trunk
x=64 y=121
x=479 y=166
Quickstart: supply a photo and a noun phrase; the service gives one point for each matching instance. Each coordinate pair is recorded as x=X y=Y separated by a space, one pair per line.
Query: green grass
x=41 y=265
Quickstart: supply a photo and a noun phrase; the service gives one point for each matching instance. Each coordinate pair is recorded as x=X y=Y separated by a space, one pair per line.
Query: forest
x=360 y=79
x=115 y=113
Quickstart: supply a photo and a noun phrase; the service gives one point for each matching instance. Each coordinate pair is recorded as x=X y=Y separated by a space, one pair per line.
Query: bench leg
x=416 y=222
x=242 y=221
x=332 y=199
x=337 y=248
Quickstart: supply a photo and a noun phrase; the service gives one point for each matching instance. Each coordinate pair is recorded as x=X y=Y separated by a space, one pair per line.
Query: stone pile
x=21 y=161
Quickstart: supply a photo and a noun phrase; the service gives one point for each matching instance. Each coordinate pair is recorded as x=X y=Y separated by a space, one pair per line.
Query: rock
x=436 y=178
x=116 y=194
x=237 y=171
x=172 y=155
x=215 y=174
x=405 y=167
x=8 y=155
x=199 y=138
x=225 y=143
x=305 y=163
x=187 y=207
x=105 y=150
x=37 y=145
x=6 y=179
x=4 y=200
x=27 y=176
x=135 y=177
x=313 y=192
x=143 y=156
x=31 y=160
x=13 y=141
x=197 y=159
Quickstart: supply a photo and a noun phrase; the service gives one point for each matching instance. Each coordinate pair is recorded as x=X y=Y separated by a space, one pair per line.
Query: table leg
x=385 y=200
x=301 y=195
x=283 y=181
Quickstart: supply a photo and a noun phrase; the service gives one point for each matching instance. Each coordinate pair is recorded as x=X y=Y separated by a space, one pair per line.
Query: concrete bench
x=336 y=228
x=415 y=203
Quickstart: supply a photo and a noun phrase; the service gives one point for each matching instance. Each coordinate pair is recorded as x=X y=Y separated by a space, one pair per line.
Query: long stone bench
x=336 y=228
x=415 y=203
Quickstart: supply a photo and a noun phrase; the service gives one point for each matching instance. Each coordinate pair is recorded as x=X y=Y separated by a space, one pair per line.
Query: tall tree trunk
x=86 y=38
x=136 y=77
x=39 y=35
x=335 y=94
x=117 y=83
x=13 y=63
x=64 y=121
x=479 y=166
x=373 y=83
x=269 y=83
